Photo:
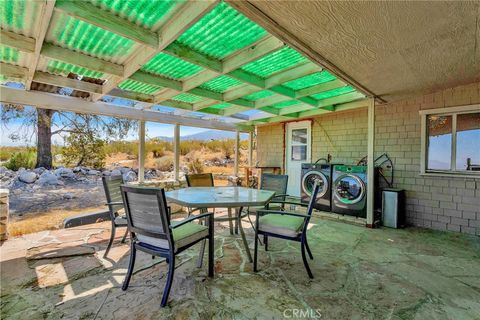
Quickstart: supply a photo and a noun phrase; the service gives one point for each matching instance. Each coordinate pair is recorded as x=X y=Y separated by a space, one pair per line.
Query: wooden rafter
x=18 y=41
x=190 y=13
x=45 y=15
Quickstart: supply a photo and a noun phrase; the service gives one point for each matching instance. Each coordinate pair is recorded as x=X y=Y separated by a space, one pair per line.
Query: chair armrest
x=114 y=203
x=290 y=200
x=190 y=219
x=282 y=213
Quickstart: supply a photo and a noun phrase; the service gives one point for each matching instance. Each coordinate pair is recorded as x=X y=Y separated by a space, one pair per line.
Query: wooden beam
x=155 y=80
x=370 y=163
x=65 y=103
x=86 y=11
x=45 y=15
x=178 y=104
x=186 y=53
x=12 y=71
x=60 y=81
x=176 y=151
x=330 y=85
x=263 y=47
x=239 y=92
x=190 y=13
x=269 y=101
x=137 y=96
x=291 y=74
x=18 y=41
x=347 y=97
x=69 y=56
x=237 y=154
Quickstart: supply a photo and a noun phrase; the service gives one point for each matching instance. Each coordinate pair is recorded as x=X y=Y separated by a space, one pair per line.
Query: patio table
x=222 y=197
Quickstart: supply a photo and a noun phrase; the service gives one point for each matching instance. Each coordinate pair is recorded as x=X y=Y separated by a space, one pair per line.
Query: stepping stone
x=59 y=250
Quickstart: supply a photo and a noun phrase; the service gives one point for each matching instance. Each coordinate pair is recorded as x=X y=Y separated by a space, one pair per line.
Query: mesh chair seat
x=284 y=225
x=182 y=236
x=199 y=180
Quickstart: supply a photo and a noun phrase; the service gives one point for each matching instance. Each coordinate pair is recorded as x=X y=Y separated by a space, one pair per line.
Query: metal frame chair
x=273 y=223
x=111 y=185
x=152 y=231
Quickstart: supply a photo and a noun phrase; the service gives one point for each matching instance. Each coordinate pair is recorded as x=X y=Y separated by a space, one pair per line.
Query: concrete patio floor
x=359 y=274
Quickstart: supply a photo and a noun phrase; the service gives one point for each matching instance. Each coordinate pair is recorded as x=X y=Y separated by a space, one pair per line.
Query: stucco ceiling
x=392 y=49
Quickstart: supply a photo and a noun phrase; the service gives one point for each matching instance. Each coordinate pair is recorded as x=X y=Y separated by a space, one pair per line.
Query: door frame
x=297 y=125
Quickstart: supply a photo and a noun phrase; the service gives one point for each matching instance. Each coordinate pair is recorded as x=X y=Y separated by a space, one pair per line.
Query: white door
x=298 y=152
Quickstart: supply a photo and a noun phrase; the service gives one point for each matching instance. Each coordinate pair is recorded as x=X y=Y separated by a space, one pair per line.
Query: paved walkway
x=359 y=274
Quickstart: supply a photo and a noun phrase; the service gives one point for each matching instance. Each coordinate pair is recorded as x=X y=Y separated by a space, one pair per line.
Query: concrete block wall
x=442 y=203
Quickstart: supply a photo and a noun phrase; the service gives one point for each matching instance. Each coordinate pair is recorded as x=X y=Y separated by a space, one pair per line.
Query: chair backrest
x=111 y=185
x=311 y=204
x=274 y=182
x=199 y=180
x=147 y=213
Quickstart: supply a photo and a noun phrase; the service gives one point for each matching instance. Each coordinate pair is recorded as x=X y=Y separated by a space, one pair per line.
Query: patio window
x=451 y=140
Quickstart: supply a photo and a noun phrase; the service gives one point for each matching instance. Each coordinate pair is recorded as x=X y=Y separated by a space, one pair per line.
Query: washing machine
x=322 y=174
x=349 y=190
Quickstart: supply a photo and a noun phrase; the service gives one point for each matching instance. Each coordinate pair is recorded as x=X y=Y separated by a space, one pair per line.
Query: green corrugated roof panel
x=8 y=54
x=221 y=32
x=78 y=35
x=171 y=67
x=285 y=104
x=258 y=95
x=145 y=13
x=19 y=16
x=221 y=84
x=188 y=98
x=274 y=62
x=62 y=68
x=140 y=87
x=222 y=105
x=333 y=93
x=310 y=80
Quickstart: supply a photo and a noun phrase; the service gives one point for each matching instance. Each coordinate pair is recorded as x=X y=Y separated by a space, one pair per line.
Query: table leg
x=230 y=224
x=242 y=233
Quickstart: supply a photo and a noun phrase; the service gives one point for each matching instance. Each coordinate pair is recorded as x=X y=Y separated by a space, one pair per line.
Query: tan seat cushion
x=182 y=236
x=289 y=226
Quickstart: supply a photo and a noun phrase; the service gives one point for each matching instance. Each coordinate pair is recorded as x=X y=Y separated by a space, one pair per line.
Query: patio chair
x=285 y=225
x=152 y=231
x=111 y=185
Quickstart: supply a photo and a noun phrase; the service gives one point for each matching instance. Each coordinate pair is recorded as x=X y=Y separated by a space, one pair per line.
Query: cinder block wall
x=442 y=203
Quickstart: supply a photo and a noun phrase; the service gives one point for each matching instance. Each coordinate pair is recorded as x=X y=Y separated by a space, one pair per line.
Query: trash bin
x=393 y=208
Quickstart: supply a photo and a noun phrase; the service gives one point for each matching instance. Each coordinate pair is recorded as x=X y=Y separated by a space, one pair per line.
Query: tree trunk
x=44 y=138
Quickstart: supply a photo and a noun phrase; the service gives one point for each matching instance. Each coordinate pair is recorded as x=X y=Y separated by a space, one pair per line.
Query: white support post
x=176 y=150
x=370 y=163
x=141 y=151
x=250 y=149
x=237 y=153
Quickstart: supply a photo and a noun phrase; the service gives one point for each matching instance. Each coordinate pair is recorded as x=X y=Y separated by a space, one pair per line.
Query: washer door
x=349 y=189
x=309 y=179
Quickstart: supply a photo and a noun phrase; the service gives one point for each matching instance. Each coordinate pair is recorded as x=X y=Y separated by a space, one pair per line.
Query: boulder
x=68 y=196
x=116 y=172
x=125 y=170
x=93 y=172
x=107 y=173
x=27 y=176
x=64 y=173
x=129 y=176
x=48 y=178
x=39 y=170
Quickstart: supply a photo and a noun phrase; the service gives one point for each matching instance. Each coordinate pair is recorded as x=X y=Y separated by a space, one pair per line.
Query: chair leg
x=201 y=254
x=125 y=235
x=265 y=241
x=236 y=222
x=304 y=258
x=112 y=236
x=230 y=223
x=308 y=249
x=131 y=264
x=168 y=285
x=211 y=249
x=255 y=252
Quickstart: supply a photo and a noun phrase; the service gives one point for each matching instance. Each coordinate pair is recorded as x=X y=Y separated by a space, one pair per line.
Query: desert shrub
x=188 y=146
x=164 y=163
x=158 y=147
x=7 y=152
x=128 y=147
x=24 y=159
x=195 y=166
x=84 y=150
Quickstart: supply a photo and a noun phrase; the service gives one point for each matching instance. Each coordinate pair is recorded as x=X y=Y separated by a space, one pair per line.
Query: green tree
x=84 y=149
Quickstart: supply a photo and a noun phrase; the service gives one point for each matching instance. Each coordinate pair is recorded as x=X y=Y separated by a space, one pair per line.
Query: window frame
x=454 y=112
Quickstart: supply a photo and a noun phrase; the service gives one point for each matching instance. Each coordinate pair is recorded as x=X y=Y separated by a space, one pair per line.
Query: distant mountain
x=207 y=136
